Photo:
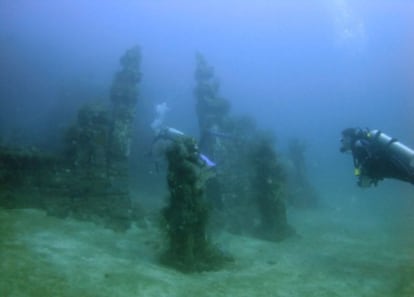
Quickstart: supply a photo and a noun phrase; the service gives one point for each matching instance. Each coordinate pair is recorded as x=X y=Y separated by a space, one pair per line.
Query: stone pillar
x=212 y=112
x=302 y=193
x=124 y=94
x=268 y=185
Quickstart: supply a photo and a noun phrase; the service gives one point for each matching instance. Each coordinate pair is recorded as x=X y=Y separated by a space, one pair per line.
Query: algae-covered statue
x=186 y=215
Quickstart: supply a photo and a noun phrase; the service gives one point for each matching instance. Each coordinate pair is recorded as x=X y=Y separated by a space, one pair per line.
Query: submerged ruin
x=89 y=179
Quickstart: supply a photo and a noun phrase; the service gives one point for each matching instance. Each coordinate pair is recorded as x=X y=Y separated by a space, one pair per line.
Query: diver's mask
x=346 y=143
x=349 y=135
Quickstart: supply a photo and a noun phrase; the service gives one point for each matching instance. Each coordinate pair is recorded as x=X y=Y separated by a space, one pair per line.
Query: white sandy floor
x=337 y=254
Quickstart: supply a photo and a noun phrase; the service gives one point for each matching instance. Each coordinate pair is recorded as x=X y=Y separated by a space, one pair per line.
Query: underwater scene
x=206 y=148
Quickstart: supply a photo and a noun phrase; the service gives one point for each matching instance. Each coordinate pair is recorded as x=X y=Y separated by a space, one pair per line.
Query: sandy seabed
x=335 y=254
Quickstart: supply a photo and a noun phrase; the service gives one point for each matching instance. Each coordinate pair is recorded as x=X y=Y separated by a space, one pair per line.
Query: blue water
x=304 y=69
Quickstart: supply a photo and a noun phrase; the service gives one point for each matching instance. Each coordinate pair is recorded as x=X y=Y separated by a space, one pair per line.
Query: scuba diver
x=377 y=156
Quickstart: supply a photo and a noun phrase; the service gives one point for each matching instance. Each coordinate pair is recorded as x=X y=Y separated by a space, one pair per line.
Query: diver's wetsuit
x=376 y=161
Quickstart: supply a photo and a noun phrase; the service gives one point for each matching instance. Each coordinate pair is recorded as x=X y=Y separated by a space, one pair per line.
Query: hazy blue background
x=306 y=69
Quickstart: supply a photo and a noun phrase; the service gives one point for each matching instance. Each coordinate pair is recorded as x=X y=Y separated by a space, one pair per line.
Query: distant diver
x=377 y=156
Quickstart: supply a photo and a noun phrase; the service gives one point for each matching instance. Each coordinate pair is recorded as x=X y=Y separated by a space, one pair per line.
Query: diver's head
x=349 y=136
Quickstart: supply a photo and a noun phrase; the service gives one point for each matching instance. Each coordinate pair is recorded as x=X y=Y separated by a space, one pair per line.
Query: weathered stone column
x=269 y=189
x=302 y=193
x=212 y=112
x=124 y=94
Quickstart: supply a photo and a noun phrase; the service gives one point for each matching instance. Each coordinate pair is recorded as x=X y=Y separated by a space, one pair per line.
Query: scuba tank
x=405 y=154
